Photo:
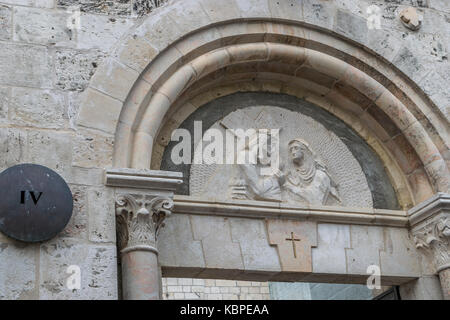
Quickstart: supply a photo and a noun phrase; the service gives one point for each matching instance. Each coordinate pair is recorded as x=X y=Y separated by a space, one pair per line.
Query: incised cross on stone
x=293 y=244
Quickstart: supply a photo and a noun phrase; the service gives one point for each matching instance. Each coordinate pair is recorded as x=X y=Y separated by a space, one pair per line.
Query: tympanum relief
x=314 y=167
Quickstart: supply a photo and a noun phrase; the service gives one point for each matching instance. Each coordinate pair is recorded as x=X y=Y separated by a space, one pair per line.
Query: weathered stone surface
x=92 y=149
x=74 y=69
x=294 y=241
x=214 y=232
x=52 y=149
x=176 y=244
x=351 y=26
x=143 y=7
x=101 y=32
x=17 y=271
x=366 y=243
x=13 y=144
x=38 y=108
x=319 y=13
x=5 y=96
x=32 y=3
x=332 y=240
x=98 y=265
x=42 y=27
x=110 y=7
x=384 y=42
x=256 y=252
x=78 y=224
x=102 y=227
x=424 y=288
x=24 y=65
x=5 y=22
x=399 y=256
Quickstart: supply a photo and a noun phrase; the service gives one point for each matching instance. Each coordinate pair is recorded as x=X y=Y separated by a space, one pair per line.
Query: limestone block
x=289 y=9
x=13 y=145
x=351 y=26
x=110 y=7
x=366 y=243
x=5 y=22
x=99 y=111
x=77 y=226
x=219 y=12
x=18 y=271
x=111 y=69
x=294 y=240
x=256 y=251
x=384 y=42
x=434 y=85
x=319 y=13
x=440 y=5
x=52 y=149
x=25 y=65
x=101 y=32
x=189 y=15
x=253 y=8
x=102 y=227
x=329 y=256
x=92 y=149
x=160 y=31
x=32 y=3
x=74 y=69
x=136 y=53
x=39 y=108
x=98 y=266
x=399 y=256
x=177 y=246
x=424 y=288
x=214 y=233
x=42 y=27
x=86 y=176
x=5 y=96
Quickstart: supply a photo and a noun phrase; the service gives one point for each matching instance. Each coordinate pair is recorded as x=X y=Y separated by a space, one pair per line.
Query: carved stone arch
x=163 y=72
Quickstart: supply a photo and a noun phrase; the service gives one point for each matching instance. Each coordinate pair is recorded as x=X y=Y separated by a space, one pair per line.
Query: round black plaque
x=35 y=203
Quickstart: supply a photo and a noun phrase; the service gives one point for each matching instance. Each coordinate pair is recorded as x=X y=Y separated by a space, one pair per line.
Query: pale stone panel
x=42 y=27
x=102 y=216
x=399 y=256
x=5 y=96
x=424 y=288
x=101 y=32
x=215 y=233
x=256 y=251
x=176 y=244
x=100 y=111
x=319 y=13
x=5 y=22
x=17 y=271
x=329 y=256
x=253 y=8
x=352 y=26
x=98 y=270
x=24 y=65
x=288 y=9
x=366 y=243
x=52 y=149
x=13 y=145
x=39 y=108
x=92 y=149
x=78 y=224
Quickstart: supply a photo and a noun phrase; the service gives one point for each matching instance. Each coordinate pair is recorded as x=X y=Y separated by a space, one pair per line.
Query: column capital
x=430 y=227
x=139 y=218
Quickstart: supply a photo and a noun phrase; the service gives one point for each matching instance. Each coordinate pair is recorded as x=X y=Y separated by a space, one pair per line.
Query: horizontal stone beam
x=143 y=179
x=263 y=209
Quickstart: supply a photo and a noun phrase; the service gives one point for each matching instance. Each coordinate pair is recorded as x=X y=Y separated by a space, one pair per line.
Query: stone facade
x=103 y=87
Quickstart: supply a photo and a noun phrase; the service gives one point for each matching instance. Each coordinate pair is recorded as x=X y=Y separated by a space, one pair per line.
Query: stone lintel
x=143 y=179
x=276 y=210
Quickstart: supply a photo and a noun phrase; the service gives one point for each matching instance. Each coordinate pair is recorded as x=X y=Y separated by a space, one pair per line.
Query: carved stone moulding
x=430 y=226
x=139 y=218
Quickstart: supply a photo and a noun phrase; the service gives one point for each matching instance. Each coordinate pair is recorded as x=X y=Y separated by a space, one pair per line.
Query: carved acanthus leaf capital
x=139 y=219
x=434 y=238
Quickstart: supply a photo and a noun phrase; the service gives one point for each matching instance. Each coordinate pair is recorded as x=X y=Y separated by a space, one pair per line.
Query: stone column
x=430 y=226
x=144 y=198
